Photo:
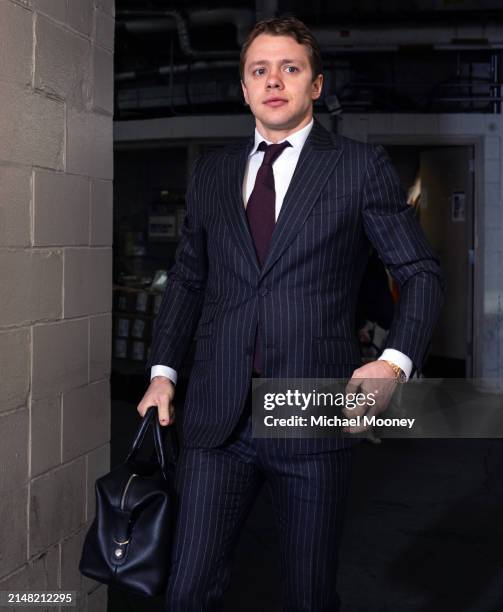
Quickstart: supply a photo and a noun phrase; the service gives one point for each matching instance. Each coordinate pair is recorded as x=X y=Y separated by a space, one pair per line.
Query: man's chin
x=279 y=122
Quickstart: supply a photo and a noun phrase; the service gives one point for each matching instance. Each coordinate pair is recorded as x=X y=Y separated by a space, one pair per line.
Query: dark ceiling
x=171 y=60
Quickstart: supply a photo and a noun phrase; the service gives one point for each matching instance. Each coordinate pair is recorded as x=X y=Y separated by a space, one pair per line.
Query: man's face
x=278 y=82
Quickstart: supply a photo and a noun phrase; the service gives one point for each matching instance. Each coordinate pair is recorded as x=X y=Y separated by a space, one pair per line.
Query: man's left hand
x=376 y=378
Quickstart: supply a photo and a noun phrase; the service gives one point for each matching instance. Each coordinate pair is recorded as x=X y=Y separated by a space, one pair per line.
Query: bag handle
x=150 y=419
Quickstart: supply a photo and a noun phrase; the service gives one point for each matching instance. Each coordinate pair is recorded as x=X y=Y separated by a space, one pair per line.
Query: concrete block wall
x=56 y=116
x=484 y=131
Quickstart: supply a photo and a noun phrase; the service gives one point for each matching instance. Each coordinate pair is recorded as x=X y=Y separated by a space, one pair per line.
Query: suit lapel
x=317 y=161
x=232 y=171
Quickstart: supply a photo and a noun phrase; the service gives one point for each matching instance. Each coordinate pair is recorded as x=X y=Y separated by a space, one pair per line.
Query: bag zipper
x=124 y=493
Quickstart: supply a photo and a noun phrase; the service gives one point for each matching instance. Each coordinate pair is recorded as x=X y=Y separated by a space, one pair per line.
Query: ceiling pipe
x=347 y=39
x=243 y=19
x=441 y=36
x=132 y=75
x=159 y=21
x=147 y=26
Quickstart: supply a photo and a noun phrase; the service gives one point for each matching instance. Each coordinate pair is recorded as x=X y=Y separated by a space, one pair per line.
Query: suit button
x=263 y=291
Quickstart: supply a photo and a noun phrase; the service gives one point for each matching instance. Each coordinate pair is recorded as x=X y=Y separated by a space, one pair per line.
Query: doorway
x=439 y=182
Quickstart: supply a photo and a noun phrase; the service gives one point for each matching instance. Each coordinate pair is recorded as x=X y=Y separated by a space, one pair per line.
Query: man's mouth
x=275 y=102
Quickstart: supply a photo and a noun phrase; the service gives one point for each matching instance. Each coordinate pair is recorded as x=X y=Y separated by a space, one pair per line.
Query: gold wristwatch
x=399 y=373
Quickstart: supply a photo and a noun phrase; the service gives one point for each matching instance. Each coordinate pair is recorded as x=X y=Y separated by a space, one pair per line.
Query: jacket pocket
x=325 y=206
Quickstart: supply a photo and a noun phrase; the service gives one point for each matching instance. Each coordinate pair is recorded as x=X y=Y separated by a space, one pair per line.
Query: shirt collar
x=297 y=139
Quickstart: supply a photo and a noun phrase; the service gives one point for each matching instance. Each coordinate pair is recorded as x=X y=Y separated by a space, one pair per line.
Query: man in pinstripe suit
x=278 y=304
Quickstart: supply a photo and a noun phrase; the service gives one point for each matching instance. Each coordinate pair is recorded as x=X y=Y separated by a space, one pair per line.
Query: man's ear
x=245 y=92
x=317 y=86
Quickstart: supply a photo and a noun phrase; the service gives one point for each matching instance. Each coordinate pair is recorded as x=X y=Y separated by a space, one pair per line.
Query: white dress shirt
x=283 y=169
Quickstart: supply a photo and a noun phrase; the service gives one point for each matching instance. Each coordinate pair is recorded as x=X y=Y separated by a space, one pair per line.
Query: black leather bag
x=128 y=544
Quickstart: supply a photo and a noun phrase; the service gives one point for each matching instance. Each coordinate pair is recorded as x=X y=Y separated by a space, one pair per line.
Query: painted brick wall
x=56 y=147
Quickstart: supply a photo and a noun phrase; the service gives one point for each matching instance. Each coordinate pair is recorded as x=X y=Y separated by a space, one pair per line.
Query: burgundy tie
x=260 y=211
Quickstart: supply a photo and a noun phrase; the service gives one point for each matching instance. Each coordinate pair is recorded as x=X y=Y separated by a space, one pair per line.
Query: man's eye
x=291 y=68
x=259 y=71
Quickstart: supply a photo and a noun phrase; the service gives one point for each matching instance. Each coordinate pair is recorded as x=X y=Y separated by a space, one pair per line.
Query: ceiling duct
x=142 y=22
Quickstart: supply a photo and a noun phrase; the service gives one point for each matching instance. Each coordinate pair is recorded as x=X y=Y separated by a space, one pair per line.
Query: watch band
x=399 y=373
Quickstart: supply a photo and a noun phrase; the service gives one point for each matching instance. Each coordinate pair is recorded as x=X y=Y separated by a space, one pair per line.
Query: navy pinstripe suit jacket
x=343 y=196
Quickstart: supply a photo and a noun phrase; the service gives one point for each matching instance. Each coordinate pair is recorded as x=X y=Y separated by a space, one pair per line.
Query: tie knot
x=272 y=151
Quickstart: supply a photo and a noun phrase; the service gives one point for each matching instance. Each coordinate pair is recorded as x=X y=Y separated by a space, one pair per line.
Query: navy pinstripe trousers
x=216 y=488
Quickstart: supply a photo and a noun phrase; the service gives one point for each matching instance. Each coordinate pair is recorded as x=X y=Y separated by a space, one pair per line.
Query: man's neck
x=276 y=135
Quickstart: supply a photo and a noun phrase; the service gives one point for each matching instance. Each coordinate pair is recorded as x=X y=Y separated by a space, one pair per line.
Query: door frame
x=477 y=302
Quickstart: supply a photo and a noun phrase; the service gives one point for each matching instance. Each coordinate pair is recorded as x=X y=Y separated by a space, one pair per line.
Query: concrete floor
x=424 y=531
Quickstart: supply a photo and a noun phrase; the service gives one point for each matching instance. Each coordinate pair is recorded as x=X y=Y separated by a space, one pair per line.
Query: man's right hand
x=160 y=393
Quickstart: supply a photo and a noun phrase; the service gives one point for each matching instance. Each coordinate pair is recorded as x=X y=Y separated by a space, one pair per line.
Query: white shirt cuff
x=160 y=370
x=399 y=359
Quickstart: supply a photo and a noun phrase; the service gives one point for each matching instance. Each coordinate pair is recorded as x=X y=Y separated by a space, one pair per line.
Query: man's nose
x=274 y=80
